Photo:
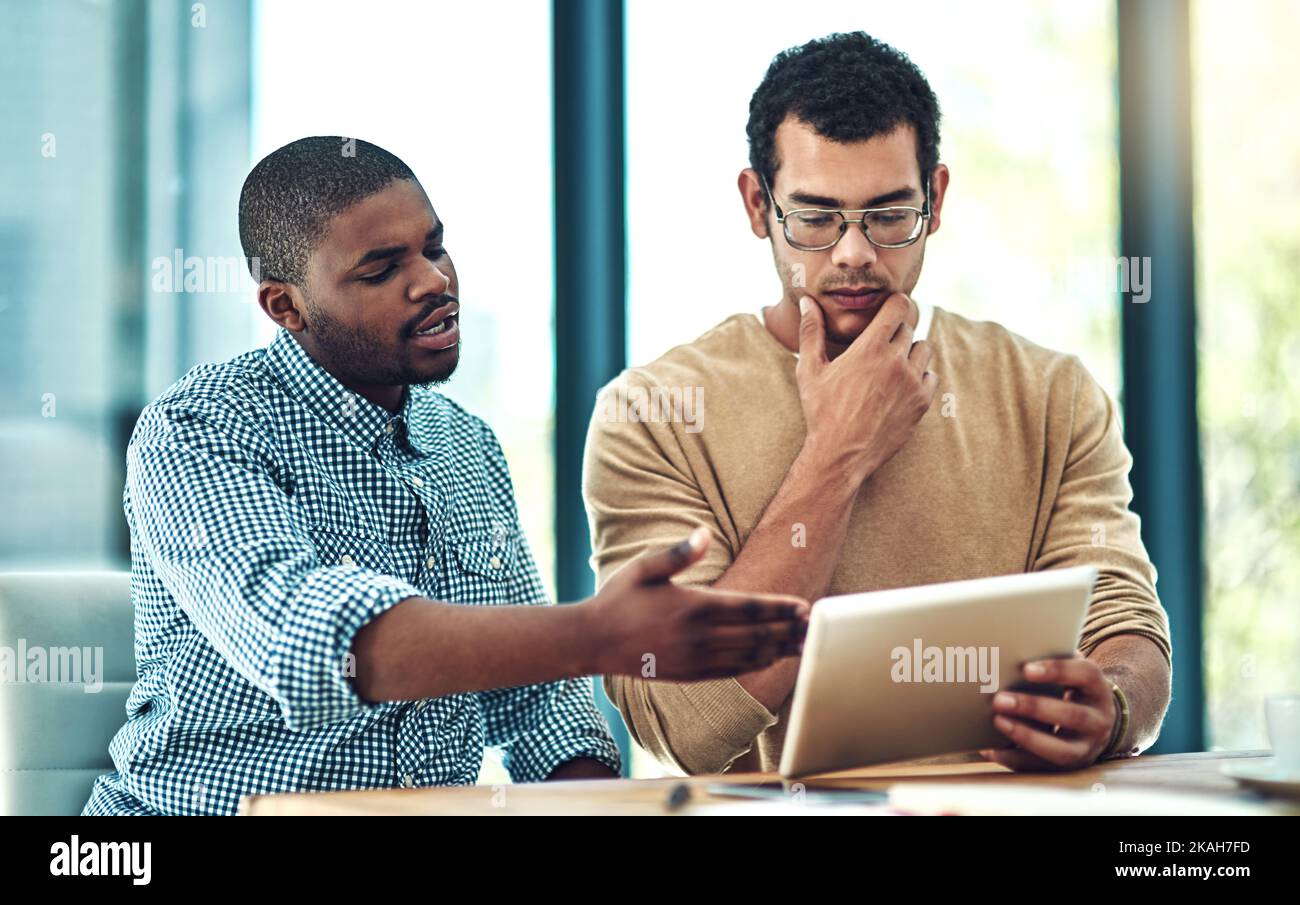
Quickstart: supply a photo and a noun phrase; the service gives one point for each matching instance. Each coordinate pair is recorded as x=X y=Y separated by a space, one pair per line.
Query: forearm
x=582 y=768
x=422 y=648
x=1138 y=667
x=794 y=550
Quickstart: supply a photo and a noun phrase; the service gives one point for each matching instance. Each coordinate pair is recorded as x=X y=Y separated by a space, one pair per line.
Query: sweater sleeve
x=1090 y=524
x=641 y=495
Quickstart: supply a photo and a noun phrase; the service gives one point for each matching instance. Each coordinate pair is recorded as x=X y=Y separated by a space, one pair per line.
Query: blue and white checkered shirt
x=273 y=513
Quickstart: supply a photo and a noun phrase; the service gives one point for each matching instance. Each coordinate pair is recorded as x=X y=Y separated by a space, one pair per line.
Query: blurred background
x=558 y=140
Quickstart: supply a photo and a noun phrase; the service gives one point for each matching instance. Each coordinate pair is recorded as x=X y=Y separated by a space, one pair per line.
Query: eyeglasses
x=813 y=229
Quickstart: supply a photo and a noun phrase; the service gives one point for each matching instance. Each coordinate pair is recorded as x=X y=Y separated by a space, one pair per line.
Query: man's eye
x=434 y=254
x=379 y=277
x=815 y=219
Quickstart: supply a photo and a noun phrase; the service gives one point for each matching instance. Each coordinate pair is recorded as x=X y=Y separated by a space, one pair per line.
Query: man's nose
x=434 y=279
x=853 y=250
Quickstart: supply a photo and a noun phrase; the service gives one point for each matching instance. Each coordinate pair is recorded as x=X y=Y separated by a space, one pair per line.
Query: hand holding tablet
x=912 y=672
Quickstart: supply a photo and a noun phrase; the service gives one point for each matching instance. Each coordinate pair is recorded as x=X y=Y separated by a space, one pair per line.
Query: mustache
x=437 y=303
x=843 y=282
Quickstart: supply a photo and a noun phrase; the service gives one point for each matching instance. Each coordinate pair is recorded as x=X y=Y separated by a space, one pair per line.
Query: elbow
x=362 y=663
x=332 y=689
x=684 y=745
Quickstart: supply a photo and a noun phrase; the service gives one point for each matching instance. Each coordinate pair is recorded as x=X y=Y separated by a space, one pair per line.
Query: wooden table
x=1184 y=773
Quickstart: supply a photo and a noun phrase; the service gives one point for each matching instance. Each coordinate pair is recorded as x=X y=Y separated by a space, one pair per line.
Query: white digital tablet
x=911 y=672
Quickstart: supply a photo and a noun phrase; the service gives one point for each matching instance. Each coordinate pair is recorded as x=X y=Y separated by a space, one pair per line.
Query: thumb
x=664 y=564
x=812 y=332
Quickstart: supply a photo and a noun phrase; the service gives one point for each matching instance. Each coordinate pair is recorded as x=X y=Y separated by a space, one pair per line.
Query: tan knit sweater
x=1018 y=466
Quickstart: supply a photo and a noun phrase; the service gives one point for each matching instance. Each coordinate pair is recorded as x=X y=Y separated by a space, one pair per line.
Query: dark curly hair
x=847 y=87
x=292 y=194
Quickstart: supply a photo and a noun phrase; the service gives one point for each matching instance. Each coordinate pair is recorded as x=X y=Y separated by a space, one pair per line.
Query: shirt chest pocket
x=346 y=548
x=484 y=567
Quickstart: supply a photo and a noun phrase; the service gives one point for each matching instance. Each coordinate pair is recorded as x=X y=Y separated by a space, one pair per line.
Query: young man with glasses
x=858 y=439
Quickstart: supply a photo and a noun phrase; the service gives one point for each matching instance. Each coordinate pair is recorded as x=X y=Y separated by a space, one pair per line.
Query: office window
x=440 y=86
x=57 y=214
x=1247 y=159
x=120 y=146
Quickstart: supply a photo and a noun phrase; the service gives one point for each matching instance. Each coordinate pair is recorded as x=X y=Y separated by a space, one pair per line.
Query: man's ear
x=755 y=199
x=283 y=303
x=938 y=188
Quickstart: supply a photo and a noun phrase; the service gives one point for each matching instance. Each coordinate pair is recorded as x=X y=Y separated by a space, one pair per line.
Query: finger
x=664 y=564
x=920 y=354
x=812 y=334
x=1020 y=761
x=710 y=662
x=1063 y=752
x=1080 y=718
x=718 y=608
x=885 y=324
x=929 y=384
x=1074 y=672
x=734 y=662
x=903 y=337
x=731 y=637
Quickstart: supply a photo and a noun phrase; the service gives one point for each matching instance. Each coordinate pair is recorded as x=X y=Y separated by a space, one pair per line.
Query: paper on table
x=791 y=809
x=983 y=799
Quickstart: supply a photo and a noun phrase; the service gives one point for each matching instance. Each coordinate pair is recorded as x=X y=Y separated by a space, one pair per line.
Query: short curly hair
x=847 y=87
x=291 y=195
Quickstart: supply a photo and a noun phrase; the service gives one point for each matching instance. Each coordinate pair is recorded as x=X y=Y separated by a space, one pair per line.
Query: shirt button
x=495 y=562
x=430 y=563
x=416 y=482
x=388 y=428
x=408 y=782
x=346 y=560
x=419 y=708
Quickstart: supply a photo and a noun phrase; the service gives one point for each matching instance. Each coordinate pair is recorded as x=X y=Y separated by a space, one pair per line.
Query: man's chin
x=845 y=326
x=438 y=371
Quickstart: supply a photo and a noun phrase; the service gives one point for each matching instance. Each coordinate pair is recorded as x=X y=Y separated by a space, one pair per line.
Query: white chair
x=53 y=734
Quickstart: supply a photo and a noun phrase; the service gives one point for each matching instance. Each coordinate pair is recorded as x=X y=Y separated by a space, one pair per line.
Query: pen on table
x=678 y=795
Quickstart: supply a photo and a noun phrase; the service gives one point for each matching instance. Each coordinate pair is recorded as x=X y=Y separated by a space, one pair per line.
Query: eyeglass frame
x=845 y=221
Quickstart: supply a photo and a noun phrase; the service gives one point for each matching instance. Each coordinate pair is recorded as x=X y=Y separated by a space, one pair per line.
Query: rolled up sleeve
x=540 y=727
x=1091 y=524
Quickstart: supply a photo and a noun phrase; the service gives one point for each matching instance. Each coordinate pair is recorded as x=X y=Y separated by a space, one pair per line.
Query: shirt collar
x=356 y=417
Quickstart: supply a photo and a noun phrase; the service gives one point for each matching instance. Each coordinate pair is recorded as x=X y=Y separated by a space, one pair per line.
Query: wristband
x=1121 y=723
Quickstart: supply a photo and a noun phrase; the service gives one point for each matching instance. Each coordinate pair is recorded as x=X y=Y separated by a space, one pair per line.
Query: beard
x=358 y=358
x=843 y=328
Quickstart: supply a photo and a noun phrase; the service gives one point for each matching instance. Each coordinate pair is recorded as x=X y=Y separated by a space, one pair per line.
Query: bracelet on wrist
x=1121 y=723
